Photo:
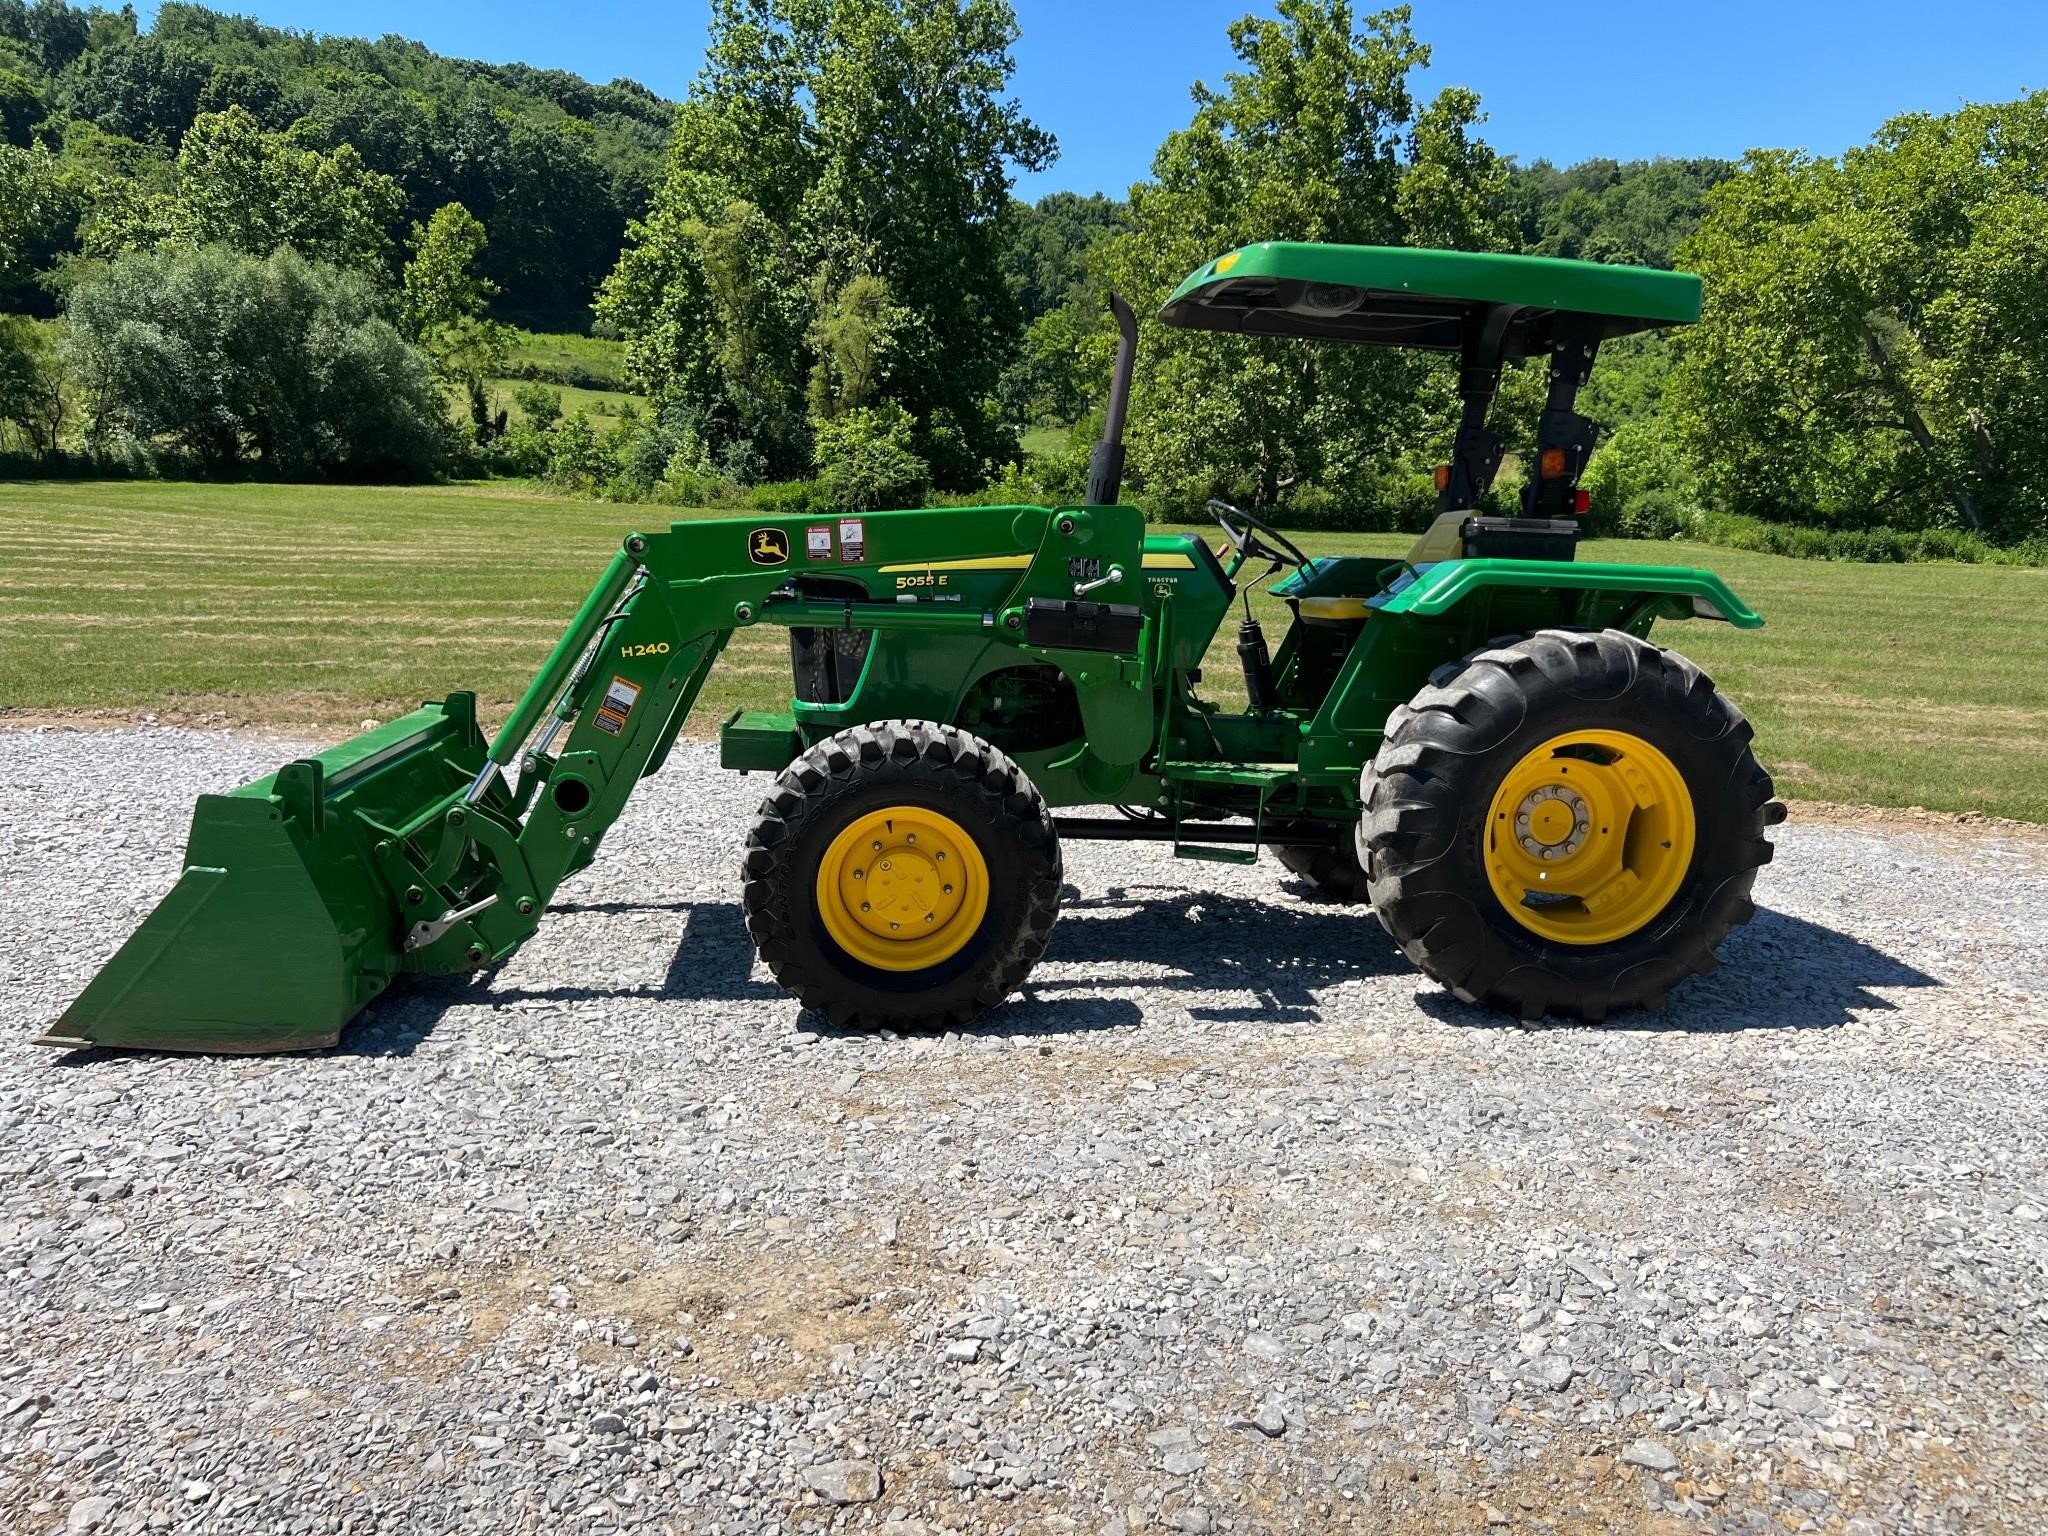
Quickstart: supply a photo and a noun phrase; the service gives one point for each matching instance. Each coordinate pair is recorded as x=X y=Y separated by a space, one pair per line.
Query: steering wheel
x=1254 y=538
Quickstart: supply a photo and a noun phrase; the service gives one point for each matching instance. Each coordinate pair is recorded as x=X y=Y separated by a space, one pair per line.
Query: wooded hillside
x=554 y=165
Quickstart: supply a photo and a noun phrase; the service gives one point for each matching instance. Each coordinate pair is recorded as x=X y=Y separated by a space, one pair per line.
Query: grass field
x=570 y=352
x=324 y=605
x=1043 y=442
x=602 y=406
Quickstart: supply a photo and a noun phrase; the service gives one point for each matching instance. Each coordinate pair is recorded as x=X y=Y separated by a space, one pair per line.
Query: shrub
x=227 y=358
x=1730 y=530
x=577 y=458
x=865 y=460
x=793 y=498
x=540 y=407
x=1634 y=460
x=1655 y=515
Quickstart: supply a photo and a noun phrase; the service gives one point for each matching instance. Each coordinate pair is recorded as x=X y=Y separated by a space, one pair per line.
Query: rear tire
x=1334 y=872
x=1446 y=792
x=829 y=830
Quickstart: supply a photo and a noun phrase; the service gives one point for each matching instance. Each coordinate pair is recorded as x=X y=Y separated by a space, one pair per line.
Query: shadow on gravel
x=1777 y=972
x=1284 y=954
x=713 y=959
x=1277 y=956
x=1271 y=962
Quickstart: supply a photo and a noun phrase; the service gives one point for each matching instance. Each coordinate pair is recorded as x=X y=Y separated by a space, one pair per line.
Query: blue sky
x=1563 y=81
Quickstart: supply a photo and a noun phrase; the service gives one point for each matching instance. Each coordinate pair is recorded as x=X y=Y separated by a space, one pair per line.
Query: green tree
x=230 y=358
x=141 y=88
x=237 y=185
x=1874 y=347
x=1051 y=243
x=32 y=399
x=553 y=164
x=33 y=201
x=59 y=31
x=21 y=103
x=444 y=297
x=853 y=338
x=866 y=459
x=1318 y=137
x=771 y=212
x=1637 y=212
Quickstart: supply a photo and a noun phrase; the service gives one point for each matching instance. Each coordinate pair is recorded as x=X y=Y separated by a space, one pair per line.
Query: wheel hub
x=1552 y=822
x=902 y=888
x=1589 y=837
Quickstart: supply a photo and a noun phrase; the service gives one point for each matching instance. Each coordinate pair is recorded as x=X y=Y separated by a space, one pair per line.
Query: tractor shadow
x=713 y=960
x=1777 y=972
x=1241 y=960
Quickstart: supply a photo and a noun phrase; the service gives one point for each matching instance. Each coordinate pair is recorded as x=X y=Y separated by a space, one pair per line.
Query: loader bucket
x=280 y=929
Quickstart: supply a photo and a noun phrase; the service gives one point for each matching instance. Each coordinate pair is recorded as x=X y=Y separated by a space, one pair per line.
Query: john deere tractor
x=1548 y=812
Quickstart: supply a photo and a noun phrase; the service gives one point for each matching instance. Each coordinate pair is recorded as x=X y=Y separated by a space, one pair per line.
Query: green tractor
x=1547 y=812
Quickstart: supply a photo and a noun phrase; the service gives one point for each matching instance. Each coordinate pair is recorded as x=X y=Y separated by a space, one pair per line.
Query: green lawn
x=1043 y=442
x=566 y=350
x=323 y=605
x=603 y=406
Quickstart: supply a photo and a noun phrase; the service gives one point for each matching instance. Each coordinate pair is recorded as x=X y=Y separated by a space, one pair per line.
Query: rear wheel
x=901 y=874
x=1570 y=823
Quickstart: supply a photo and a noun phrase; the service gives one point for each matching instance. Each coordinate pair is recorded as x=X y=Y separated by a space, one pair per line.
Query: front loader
x=1547 y=812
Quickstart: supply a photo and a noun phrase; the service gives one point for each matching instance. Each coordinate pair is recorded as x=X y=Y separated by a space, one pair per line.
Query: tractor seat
x=1332 y=589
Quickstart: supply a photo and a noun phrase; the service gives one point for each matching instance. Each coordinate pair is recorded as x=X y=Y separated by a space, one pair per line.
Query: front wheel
x=901 y=874
x=1570 y=823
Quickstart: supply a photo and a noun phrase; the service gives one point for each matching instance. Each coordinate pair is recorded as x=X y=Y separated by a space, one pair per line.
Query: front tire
x=1570 y=823
x=902 y=874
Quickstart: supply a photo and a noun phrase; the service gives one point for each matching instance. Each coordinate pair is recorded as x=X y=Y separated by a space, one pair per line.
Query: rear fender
x=1660 y=591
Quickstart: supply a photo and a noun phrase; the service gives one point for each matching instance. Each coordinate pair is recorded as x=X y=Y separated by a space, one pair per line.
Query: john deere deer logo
x=767 y=546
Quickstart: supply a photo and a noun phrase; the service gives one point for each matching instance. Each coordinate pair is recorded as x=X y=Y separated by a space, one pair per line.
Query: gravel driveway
x=1231 y=1222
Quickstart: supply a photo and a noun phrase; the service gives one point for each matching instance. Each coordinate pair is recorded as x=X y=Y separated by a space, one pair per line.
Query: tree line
x=824 y=285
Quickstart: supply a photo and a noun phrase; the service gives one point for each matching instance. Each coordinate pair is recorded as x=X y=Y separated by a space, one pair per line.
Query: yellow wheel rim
x=1589 y=837
x=902 y=889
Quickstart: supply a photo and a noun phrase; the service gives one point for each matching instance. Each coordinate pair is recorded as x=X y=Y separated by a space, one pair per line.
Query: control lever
x=1108 y=578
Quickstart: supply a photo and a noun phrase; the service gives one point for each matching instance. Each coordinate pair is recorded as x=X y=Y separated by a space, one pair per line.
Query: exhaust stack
x=1106 y=467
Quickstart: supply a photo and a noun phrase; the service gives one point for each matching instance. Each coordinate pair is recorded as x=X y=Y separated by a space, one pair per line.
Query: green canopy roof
x=1392 y=297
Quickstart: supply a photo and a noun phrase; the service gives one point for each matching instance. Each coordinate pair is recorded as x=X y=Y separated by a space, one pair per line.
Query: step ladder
x=1265 y=778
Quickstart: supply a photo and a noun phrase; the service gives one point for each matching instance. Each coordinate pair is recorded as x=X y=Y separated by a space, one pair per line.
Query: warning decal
x=619 y=700
x=853 y=541
x=818 y=540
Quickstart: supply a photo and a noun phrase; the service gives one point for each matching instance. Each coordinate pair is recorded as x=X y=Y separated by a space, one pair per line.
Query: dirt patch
x=762 y=1320
x=1829 y=814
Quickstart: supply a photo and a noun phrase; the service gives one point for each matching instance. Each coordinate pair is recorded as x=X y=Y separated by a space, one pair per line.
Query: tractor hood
x=1389 y=296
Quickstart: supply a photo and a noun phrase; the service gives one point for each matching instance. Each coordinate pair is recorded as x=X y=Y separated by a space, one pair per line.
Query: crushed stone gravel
x=1230 y=1222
